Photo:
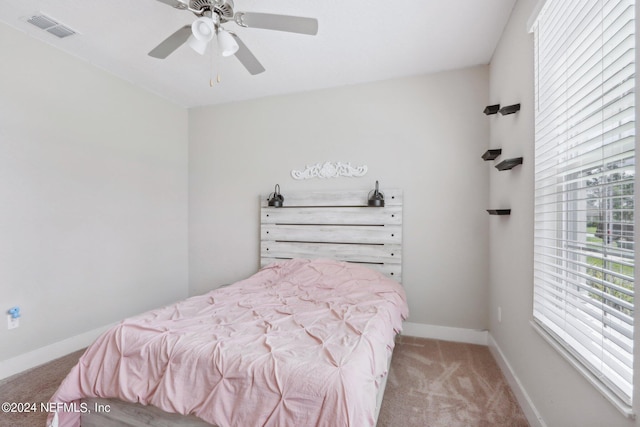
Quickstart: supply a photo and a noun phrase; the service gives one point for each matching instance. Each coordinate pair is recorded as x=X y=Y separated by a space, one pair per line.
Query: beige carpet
x=431 y=383
x=440 y=383
x=34 y=386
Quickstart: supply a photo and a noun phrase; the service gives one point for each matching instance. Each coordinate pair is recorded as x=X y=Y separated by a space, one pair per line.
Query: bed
x=307 y=340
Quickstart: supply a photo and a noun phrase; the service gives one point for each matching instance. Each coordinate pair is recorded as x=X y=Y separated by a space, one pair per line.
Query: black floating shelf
x=499 y=211
x=510 y=109
x=492 y=154
x=491 y=109
x=507 y=164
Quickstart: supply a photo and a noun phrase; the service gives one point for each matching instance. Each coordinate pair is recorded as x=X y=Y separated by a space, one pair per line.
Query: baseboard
x=530 y=411
x=445 y=333
x=48 y=353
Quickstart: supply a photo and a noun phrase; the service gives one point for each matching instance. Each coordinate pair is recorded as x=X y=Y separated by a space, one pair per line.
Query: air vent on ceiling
x=51 y=26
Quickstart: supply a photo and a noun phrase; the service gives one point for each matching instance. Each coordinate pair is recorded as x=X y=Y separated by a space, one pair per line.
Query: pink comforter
x=300 y=343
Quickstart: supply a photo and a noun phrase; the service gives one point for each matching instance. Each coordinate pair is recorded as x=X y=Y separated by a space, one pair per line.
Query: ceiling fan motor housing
x=223 y=8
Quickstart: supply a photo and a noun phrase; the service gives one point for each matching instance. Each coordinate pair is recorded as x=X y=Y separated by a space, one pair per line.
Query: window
x=584 y=185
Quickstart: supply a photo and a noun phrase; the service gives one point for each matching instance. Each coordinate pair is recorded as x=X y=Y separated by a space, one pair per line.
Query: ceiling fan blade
x=173 y=3
x=171 y=43
x=246 y=58
x=268 y=21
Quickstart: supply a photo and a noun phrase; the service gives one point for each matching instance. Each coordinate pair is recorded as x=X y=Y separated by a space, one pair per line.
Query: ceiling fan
x=212 y=14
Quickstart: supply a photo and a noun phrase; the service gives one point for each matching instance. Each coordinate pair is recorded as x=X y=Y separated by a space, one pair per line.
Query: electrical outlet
x=12 y=322
x=499 y=314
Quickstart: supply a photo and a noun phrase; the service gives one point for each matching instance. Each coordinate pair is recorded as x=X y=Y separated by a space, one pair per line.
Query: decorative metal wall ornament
x=329 y=170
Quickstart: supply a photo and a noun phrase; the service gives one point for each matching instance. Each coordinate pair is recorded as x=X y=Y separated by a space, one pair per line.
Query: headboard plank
x=392 y=270
x=332 y=215
x=337 y=225
x=392 y=197
x=354 y=253
x=362 y=234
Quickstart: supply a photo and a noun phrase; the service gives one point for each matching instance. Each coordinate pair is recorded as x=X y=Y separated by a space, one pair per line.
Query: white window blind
x=584 y=184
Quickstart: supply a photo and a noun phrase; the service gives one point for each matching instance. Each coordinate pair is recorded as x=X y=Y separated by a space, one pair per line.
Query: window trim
x=548 y=336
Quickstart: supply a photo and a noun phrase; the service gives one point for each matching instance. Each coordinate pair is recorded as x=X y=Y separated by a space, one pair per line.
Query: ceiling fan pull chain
x=216 y=64
x=211 y=74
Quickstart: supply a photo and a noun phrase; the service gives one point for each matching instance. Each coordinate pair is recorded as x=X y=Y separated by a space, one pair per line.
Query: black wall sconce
x=376 y=198
x=276 y=199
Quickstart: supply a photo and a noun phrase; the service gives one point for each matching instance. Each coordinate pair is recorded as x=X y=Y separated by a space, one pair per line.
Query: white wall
x=422 y=134
x=561 y=395
x=93 y=196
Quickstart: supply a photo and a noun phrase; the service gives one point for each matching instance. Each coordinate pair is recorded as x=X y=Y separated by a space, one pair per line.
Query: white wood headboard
x=337 y=225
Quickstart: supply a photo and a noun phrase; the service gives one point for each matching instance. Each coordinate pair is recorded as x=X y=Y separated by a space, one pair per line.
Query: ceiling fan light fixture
x=197 y=45
x=203 y=29
x=227 y=44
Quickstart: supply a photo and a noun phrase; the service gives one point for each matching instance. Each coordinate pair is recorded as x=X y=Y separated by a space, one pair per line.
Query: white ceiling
x=358 y=41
